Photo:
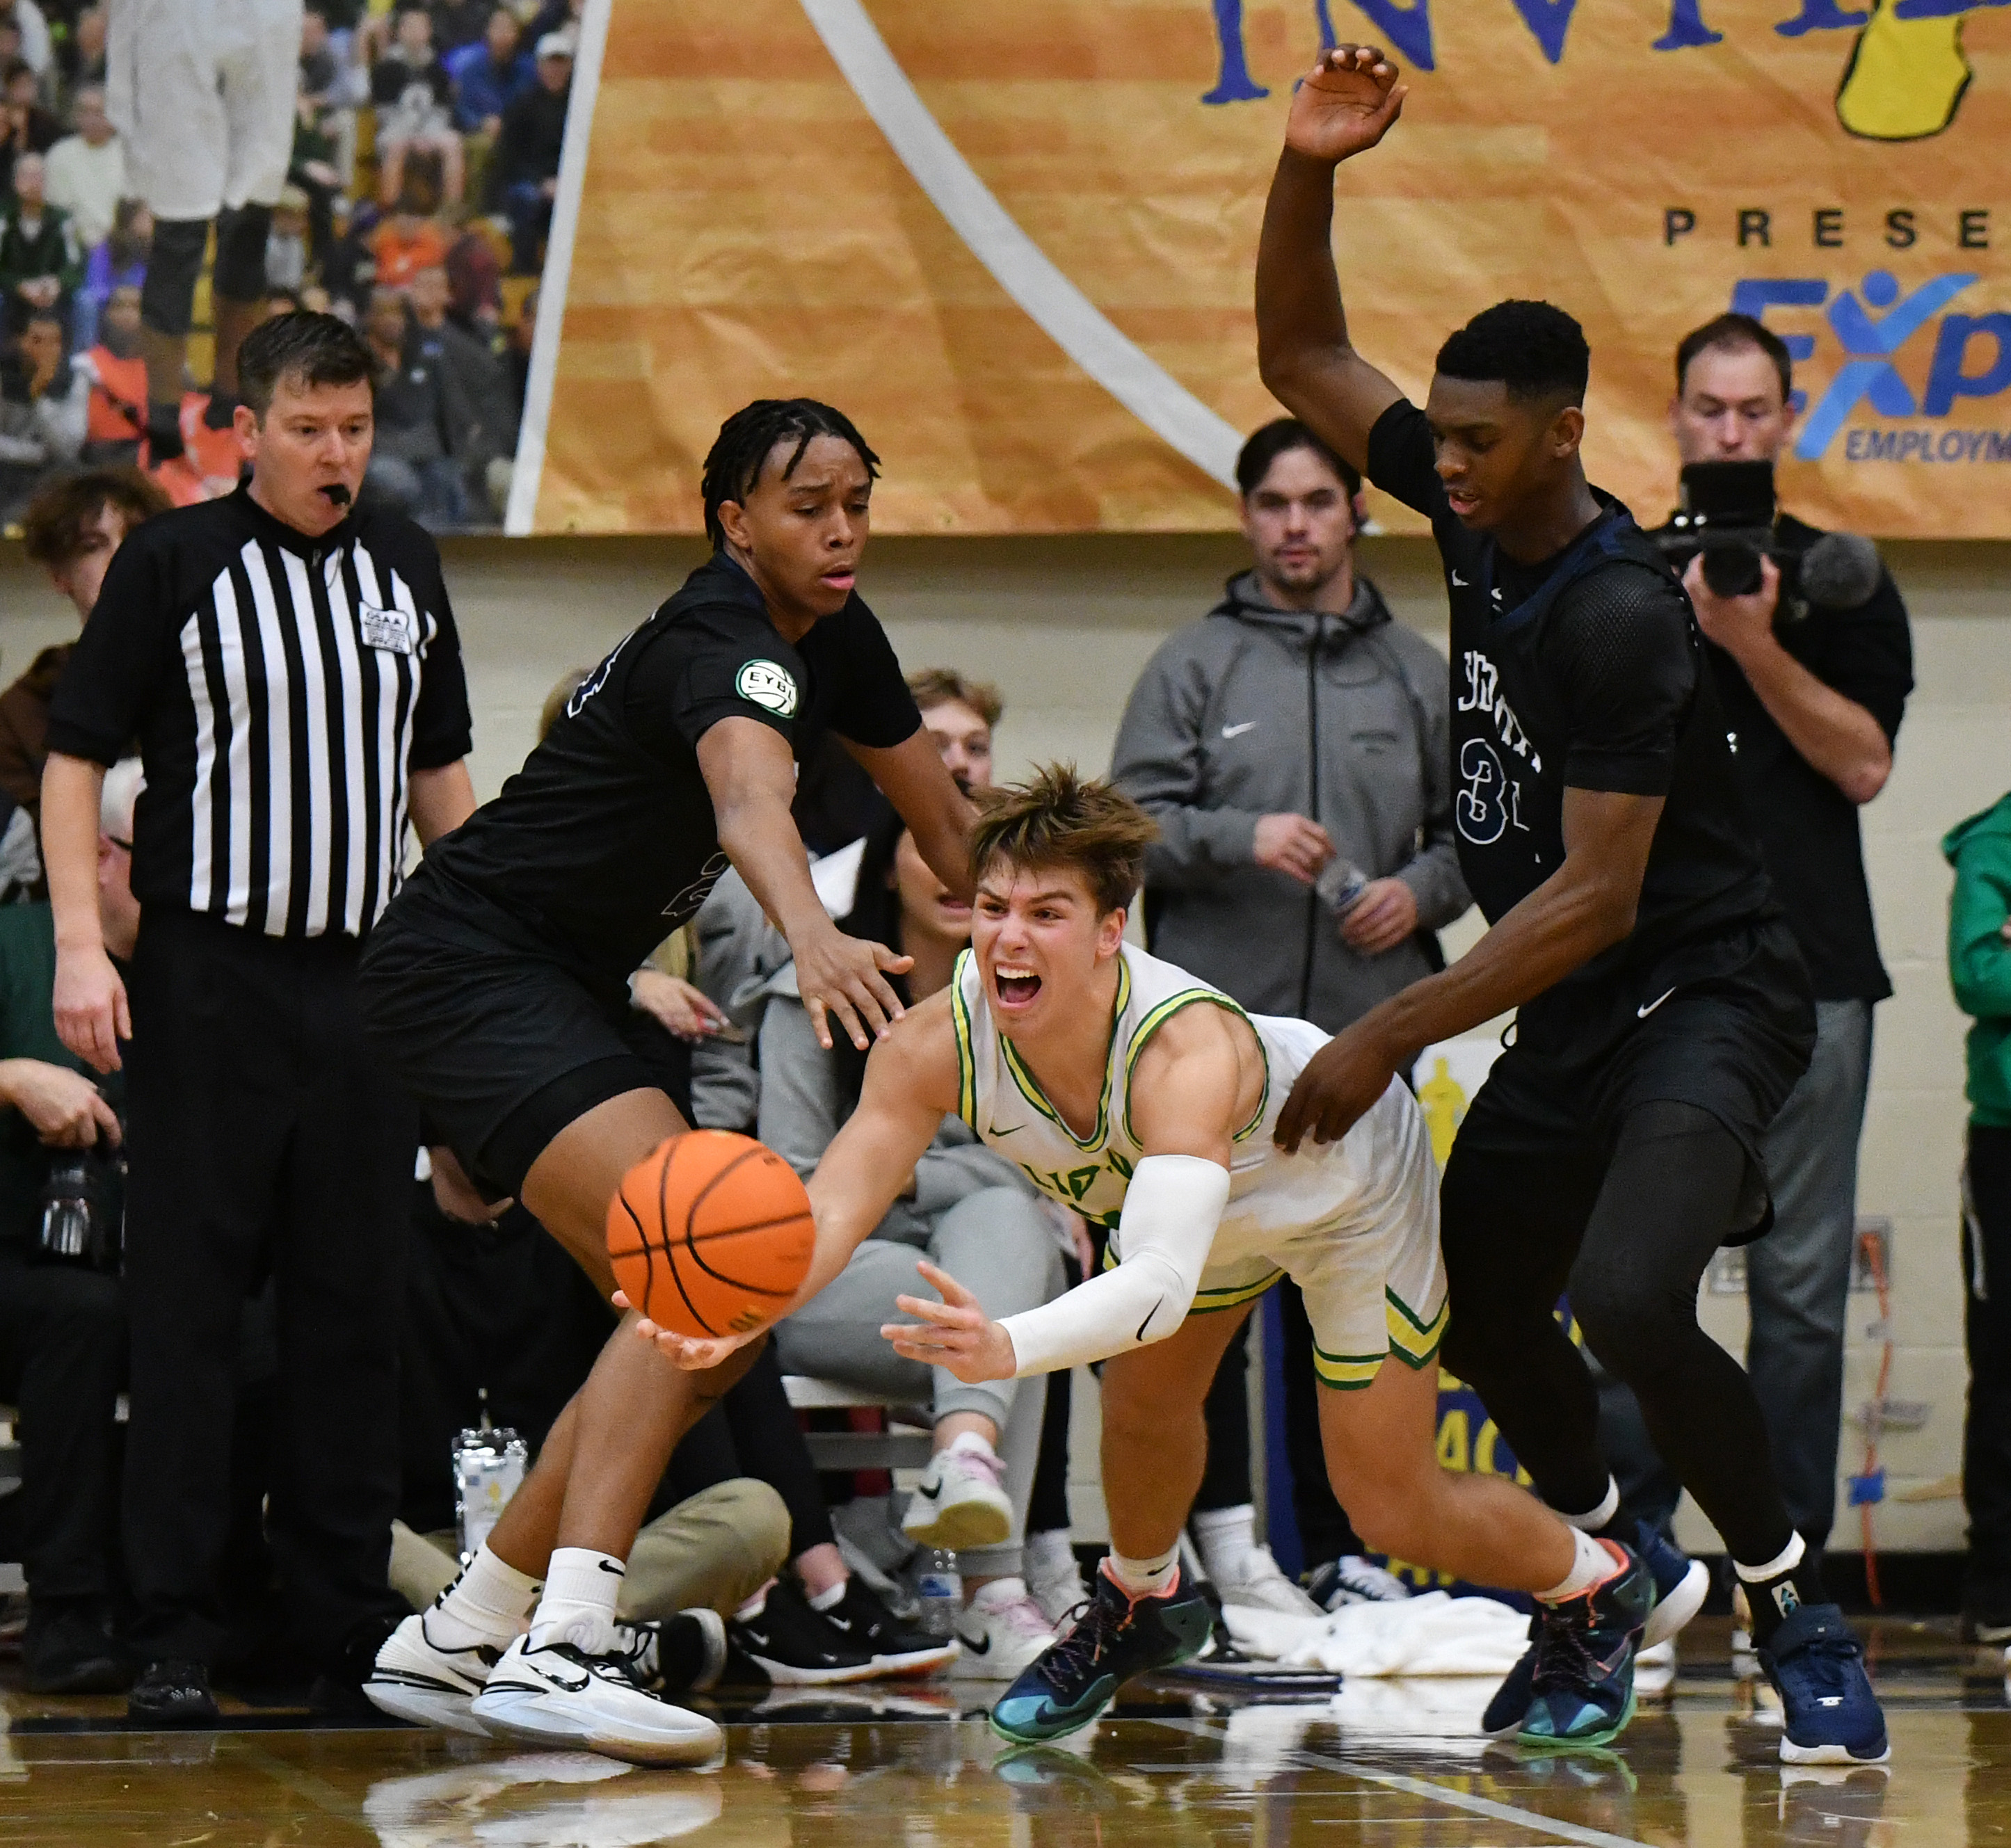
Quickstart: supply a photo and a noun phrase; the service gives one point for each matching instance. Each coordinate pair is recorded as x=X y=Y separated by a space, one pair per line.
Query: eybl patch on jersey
x=388 y=629
x=768 y=684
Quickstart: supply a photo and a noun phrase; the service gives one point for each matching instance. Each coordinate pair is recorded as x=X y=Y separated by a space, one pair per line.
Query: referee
x=288 y=664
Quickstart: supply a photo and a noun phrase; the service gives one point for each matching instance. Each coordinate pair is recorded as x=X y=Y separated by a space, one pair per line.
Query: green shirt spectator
x=1980 y=954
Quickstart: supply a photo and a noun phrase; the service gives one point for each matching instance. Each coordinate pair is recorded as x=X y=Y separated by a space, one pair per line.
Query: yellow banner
x=1015 y=243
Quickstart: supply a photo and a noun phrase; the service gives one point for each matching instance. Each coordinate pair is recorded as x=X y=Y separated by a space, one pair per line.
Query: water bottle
x=942 y=1588
x=490 y=1465
x=1341 y=884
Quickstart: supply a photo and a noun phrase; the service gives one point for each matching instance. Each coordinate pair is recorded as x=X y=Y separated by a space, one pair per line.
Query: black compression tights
x=1628 y=1239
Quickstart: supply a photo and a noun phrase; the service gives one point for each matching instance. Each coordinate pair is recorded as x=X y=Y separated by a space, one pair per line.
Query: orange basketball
x=711 y=1234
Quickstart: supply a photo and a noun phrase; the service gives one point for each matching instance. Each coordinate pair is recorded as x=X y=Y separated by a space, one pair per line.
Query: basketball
x=711 y=1234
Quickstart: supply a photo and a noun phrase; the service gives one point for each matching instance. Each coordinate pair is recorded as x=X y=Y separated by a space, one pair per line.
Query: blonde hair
x=1059 y=818
x=937 y=686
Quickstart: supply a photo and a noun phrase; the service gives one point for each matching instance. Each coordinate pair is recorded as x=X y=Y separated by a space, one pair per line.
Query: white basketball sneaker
x=961 y=1501
x=1000 y=1632
x=558 y=1695
x=414 y=1678
x=1254 y=1580
x=1053 y=1579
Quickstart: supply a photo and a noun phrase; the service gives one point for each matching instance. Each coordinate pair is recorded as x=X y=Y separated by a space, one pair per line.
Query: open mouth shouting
x=1017 y=986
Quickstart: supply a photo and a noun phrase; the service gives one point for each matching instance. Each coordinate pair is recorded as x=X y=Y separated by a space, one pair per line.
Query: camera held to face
x=1729 y=516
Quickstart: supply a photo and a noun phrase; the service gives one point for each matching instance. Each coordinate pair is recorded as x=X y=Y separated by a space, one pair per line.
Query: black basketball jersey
x=605 y=841
x=1585 y=671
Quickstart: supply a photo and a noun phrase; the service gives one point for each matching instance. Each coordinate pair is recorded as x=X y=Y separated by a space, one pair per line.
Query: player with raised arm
x=1142 y=1098
x=496 y=988
x=1664 y=1012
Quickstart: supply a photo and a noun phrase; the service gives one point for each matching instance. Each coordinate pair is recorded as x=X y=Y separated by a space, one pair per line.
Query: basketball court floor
x=1386 y=1763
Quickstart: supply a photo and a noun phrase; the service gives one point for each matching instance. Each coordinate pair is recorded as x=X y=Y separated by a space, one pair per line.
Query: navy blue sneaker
x=1681 y=1584
x=1065 y=1687
x=1583 y=1689
x=1817 y=1668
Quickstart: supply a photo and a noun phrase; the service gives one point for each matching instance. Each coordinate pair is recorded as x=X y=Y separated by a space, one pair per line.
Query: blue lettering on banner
x=1870 y=444
x=1969 y=358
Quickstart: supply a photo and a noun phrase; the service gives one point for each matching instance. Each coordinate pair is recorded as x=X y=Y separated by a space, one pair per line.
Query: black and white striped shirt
x=281 y=688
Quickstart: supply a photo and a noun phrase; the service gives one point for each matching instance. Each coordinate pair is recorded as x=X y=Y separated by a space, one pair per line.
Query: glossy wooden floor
x=1389 y=1763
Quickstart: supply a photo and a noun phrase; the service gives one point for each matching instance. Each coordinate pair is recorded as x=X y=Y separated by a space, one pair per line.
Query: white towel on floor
x=1434 y=1634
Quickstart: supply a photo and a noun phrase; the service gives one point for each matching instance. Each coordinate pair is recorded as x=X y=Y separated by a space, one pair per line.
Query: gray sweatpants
x=996 y=1243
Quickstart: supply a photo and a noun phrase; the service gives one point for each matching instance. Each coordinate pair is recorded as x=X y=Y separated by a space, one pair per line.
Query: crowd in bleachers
x=419 y=197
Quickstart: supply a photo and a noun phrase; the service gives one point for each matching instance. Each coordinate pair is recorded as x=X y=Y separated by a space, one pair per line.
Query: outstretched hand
x=846 y=978
x=954 y=1333
x=1339 y=1086
x=1345 y=104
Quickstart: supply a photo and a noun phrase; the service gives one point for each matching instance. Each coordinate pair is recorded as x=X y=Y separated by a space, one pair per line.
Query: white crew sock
x=581 y=1586
x=975 y=1440
x=1592 y=1562
x=1790 y=1557
x=1143 y=1578
x=831 y=1597
x=487 y=1603
x=1226 y=1537
x=1609 y=1506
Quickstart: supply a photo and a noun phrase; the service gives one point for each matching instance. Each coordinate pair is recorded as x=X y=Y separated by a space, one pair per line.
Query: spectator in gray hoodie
x=1295 y=725
x=1295 y=722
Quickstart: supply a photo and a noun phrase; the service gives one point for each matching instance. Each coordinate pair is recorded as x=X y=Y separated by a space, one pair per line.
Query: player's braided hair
x=1059 y=818
x=747 y=439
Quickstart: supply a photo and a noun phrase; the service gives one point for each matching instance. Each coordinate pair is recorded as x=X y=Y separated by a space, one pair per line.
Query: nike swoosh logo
x=1011 y=1130
x=971 y=1647
x=1237 y=731
x=1642 y=1013
x=608 y=1565
x=928 y=1493
x=1458 y=582
x=1150 y=1313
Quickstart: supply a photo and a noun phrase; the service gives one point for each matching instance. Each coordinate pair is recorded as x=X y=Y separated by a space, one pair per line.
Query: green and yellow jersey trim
x=967 y=1059
x=1030 y=1089
x=1165 y=1012
x=1413 y=1340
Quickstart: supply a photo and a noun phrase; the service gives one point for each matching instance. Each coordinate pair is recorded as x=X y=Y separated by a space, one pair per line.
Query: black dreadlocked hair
x=1538 y=351
x=746 y=440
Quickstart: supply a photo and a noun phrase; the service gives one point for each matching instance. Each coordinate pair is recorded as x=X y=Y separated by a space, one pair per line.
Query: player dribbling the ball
x=1138 y=1095
x=495 y=989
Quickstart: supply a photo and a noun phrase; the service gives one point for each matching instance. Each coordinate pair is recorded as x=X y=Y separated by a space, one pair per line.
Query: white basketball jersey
x=1000 y=1098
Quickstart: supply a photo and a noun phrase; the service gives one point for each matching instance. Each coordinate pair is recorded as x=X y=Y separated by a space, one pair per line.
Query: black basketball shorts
x=1733 y=1042
x=501 y=1048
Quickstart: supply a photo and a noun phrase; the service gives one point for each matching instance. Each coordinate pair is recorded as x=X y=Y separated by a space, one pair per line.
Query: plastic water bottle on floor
x=941 y=1590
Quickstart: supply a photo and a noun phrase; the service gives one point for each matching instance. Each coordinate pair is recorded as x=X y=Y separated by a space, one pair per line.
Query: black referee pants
x=264 y=1140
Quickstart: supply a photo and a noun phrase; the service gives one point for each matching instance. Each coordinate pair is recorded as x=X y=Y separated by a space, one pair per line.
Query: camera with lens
x=83 y=1209
x=1728 y=516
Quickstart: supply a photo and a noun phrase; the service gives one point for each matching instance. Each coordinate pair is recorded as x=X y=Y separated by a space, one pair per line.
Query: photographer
x=1814 y=665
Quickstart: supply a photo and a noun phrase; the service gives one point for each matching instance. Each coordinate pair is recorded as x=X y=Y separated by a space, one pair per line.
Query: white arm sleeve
x=1171 y=1207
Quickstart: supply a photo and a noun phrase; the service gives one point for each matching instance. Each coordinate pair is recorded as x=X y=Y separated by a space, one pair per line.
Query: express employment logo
x=1879 y=325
